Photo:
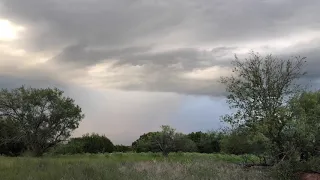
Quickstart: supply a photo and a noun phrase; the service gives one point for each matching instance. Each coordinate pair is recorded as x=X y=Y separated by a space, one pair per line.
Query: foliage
x=41 y=117
x=72 y=147
x=10 y=148
x=193 y=142
x=196 y=136
x=292 y=169
x=145 y=143
x=236 y=143
x=165 y=140
x=259 y=90
x=204 y=143
x=183 y=144
x=240 y=141
x=93 y=143
x=210 y=142
x=304 y=130
x=122 y=148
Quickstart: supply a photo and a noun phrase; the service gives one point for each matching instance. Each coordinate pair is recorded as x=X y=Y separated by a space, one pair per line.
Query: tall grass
x=124 y=166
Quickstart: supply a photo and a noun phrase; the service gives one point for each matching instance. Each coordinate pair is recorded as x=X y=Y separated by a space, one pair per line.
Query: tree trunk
x=165 y=153
x=36 y=151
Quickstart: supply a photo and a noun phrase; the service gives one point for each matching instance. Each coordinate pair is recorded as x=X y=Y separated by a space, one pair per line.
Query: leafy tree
x=183 y=144
x=207 y=142
x=259 y=90
x=165 y=140
x=72 y=147
x=41 y=117
x=210 y=142
x=173 y=141
x=122 y=148
x=196 y=136
x=88 y=143
x=305 y=127
x=146 y=143
x=95 y=143
x=9 y=148
x=168 y=138
x=240 y=141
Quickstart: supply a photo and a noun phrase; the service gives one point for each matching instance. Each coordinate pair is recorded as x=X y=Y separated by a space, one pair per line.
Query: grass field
x=122 y=166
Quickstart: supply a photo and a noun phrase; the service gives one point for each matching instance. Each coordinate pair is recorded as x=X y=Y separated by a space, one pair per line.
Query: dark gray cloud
x=167 y=39
x=113 y=23
x=106 y=23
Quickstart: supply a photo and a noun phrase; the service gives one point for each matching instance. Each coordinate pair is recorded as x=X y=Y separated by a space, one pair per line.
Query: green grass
x=124 y=166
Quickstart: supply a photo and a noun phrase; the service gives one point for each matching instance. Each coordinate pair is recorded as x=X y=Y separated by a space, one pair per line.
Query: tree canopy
x=259 y=90
x=41 y=117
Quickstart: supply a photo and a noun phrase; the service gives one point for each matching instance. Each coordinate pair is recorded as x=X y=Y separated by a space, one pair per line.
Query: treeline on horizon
x=199 y=142
x=276 y=118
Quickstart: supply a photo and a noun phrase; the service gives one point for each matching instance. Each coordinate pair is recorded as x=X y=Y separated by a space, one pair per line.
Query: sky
x=133 y=65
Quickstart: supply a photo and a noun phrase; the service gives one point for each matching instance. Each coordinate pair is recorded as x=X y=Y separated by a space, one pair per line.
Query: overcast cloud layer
x=131 y=64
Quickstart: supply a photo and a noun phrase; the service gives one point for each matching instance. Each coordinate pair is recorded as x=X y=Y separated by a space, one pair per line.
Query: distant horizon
x=209 y=124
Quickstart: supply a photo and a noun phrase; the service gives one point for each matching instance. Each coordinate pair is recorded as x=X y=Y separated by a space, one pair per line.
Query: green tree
x=146 y=143
x=240 y=141
x=9 y=148
x=165 y=139
x=259 y=90
x=183 y=144
x=73 y=146
x=305 y=127
x=122 y=148
x=88 y=143
x=95 y=143
x=207 y=142
x=195 y=136
x=210 y=142
x=41 y=117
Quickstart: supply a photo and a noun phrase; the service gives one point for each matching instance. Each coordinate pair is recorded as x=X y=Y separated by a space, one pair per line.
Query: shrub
x=122 y=148
x=93 y=143
x=291 y=169
x=235 y=144
x=8 y=147
x=183 y=144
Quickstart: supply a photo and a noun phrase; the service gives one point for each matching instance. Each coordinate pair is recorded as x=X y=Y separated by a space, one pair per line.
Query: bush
x=209 y=142
x=241 y=141
x=145 y=143
x=122 y=148
x=8 y=147
x=12 y=149
x=73 y=147
x=184 y=144
x=93 y=143
x=235 y=144
x=291 y=169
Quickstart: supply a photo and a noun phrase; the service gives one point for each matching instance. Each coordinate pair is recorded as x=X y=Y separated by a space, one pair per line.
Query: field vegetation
x=133 y=166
